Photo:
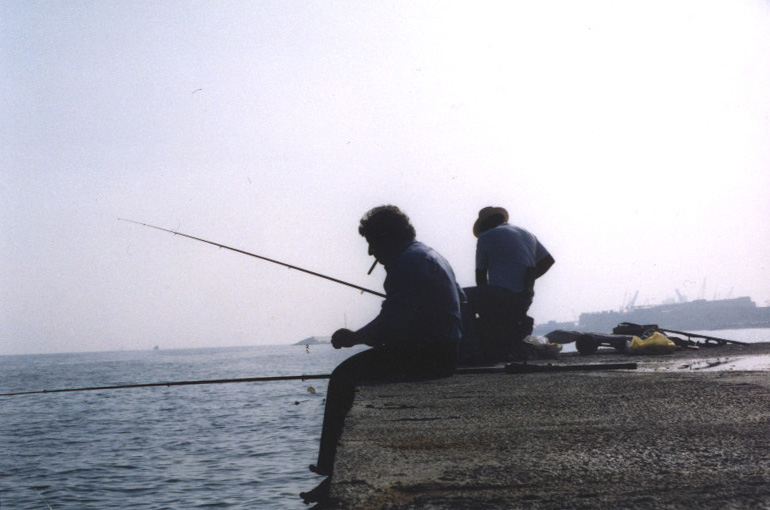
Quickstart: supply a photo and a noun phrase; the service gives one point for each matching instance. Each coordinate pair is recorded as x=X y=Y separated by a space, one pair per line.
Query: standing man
x=415 y=336
x=508 y=261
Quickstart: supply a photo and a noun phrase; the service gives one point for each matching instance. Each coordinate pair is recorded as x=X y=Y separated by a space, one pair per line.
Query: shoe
x=319 y=494
x=320 y=471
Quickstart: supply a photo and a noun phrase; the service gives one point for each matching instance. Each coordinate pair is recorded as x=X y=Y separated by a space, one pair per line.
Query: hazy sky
x=631 y=137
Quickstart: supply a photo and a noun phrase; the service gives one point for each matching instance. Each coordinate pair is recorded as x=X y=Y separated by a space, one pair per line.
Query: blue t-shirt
x=506 y=252
x=422 y=303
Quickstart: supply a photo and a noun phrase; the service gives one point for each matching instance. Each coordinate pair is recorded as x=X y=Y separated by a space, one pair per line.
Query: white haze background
x=630 y=137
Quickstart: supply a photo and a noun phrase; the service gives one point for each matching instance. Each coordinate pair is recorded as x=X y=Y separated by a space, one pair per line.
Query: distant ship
x=697 y=315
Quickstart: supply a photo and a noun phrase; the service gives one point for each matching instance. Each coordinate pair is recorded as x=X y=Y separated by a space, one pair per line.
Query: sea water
x=238 y=445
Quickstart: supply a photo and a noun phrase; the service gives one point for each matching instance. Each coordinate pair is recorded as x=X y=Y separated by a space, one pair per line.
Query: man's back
x=423 y=299
x=508 y=253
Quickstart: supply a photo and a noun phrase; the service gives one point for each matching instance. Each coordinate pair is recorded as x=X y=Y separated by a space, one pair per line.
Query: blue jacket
x=422 y=304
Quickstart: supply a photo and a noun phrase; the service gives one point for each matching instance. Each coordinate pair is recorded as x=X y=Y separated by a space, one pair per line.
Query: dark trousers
x=495 y=322
x=380 y=364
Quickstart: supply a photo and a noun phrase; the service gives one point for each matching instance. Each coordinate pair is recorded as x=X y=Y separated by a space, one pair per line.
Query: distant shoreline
x=314 y=340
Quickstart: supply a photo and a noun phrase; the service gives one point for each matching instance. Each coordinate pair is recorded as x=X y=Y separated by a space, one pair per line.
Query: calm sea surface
x=243 y=445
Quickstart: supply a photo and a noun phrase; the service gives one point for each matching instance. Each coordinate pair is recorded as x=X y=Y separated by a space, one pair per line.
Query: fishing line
x=342 y=282
x=43 y=499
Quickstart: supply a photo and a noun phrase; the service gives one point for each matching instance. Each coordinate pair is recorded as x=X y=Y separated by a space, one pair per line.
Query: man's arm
x=543 y=265
x=345 y=338
x=481 y=277
x=396 y=319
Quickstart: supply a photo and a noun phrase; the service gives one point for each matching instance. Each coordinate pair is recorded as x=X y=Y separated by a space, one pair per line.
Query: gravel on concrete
x=675 y=433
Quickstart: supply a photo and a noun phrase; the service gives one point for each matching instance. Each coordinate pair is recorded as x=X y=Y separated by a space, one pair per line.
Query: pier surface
x=676 y=433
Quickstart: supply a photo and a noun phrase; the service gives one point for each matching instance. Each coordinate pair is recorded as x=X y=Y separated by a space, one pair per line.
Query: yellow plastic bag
x=657 y=343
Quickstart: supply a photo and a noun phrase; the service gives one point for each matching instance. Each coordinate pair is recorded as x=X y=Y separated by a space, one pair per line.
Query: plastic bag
x=656 y=343
x=542 y=347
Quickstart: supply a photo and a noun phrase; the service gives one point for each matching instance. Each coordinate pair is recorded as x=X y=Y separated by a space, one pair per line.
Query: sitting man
x=414 y=337
x=508 y=261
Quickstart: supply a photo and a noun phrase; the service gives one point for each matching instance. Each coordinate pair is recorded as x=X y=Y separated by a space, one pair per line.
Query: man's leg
x=493 y=323
x=520 y=325
x=339 y=399
x=377 y=364
x=505 y=324
x=380 y=364
x=522 y=328
x=369 y=364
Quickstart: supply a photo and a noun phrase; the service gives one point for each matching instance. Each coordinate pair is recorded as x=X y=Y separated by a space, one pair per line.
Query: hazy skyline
x=630 y=137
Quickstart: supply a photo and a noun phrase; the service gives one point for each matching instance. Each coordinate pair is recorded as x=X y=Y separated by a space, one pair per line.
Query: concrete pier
x=676 y=433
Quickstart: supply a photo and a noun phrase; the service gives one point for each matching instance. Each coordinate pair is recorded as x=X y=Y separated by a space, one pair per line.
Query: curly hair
x=491 y=222
x=386 y=221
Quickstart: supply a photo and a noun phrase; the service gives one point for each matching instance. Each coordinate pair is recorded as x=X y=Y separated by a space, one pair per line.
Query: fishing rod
x=362 y=289
x=508 y=368
x=719 y=341
x=175 y=383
